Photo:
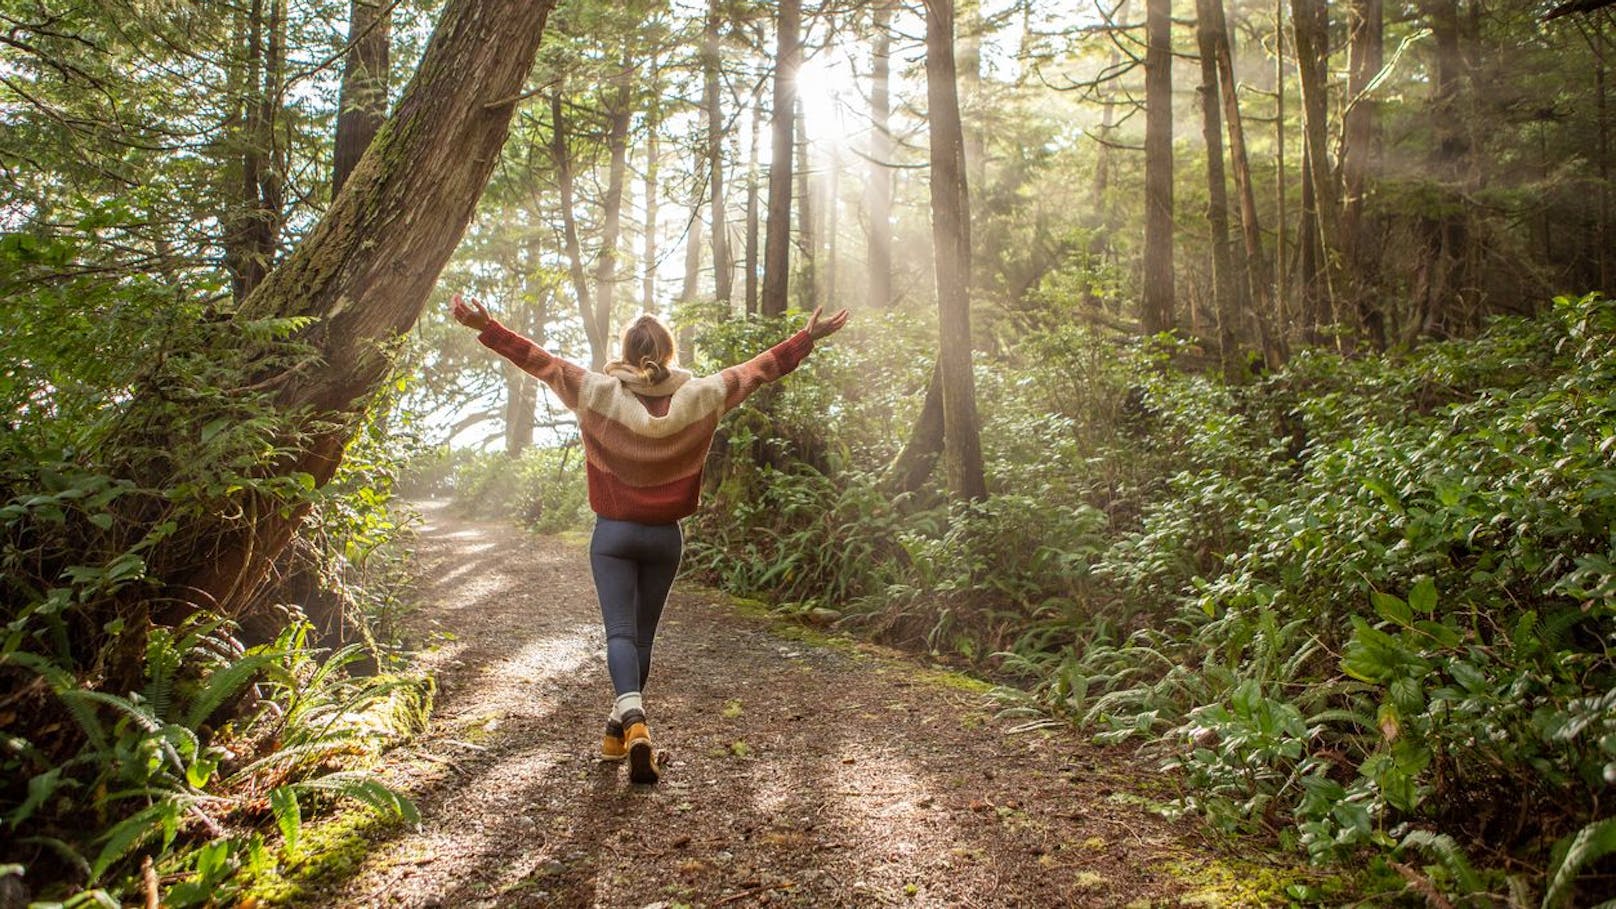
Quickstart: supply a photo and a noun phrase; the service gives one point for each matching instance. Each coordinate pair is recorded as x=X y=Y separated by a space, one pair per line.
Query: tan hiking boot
x=642 y=762
x=612 y=747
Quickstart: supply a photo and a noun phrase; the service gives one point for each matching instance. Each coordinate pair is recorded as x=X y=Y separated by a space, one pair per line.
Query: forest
x=1228 y=386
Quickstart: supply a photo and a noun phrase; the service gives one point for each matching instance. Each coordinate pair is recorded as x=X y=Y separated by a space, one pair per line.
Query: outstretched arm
x=564 y=378
x=741 y=380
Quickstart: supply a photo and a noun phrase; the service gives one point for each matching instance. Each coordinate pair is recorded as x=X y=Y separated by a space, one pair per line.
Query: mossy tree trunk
x=365 y=271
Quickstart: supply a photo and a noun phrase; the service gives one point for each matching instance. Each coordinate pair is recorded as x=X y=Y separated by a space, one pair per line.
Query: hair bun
x=652 y=371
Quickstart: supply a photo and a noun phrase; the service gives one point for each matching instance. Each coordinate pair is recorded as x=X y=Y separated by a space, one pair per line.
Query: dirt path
x=800 y=774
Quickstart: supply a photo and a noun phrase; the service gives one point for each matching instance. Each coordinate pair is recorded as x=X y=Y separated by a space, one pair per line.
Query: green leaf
x=362 y=787
x=1423 y=597
x=1449 y=854
x=131 y=832
x=1572 y=853
x=288 y=816
x=1391 y=608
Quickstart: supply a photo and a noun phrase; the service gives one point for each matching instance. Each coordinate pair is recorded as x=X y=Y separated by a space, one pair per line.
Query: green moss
x=333 y=851
x=1233 y=882
x=958 y=681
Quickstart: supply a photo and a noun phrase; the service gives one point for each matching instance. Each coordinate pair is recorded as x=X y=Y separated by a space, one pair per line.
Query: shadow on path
x=799 y=774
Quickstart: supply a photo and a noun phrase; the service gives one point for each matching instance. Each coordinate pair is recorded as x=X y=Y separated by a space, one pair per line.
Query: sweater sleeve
x=563 y=377
x=740 y=381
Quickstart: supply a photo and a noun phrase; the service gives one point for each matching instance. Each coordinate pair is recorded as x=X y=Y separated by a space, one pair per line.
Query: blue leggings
x=634 y=565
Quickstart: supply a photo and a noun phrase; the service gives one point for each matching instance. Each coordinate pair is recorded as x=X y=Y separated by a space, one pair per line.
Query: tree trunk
x=254 y=235
x=909 y=470
x=1224 y=301
x=1281 y=178
x=365 y=270
x=832 y=212
x=951 y=243
x=968 y=79
x=1309 y=25
x=777 y=240
x=687 y=291
x=1258 y=285
x=807 y=226
x=527 y=316
x=723 y=262
x=618 y=116
x=1156 y=313
x=1602 y=237
x=1365 y=57
x=878 y=191
x=362 y=101
x=752 y=218
x=1440 y=277
x=1313 y=303
x=652 y=162
x=561 y=154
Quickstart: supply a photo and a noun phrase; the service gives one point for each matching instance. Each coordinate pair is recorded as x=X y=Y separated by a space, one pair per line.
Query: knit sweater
x=646 y=445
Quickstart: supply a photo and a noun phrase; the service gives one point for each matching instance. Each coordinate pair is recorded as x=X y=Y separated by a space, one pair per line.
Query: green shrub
x=1361 y=604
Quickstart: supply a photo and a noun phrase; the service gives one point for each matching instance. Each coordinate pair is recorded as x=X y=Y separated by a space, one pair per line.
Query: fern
x=1449 y=854
x=365 y=788
x=1589 y=844
x=225 y=683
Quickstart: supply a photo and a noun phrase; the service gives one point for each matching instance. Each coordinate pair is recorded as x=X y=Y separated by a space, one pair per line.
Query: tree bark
x=618 y=115
x=527 y=316
x=878 y=191
x=832 y=215
x=1440 y=276
x=1365 y=55
x=687 y=290
x=1259 y=295
x=365 y=271
x=653 y=122
x=777 y=239
x=254 y=236
x=1313 y=303
x=1309 y=25
x=561 y=154
x=723 y=261
x=652 y=163
x=362 y=101
x=1156 y=313
x=752 y=218
x=1224 y=301
x=1281 y=178
x=951 y=242
x=807 y=226
x=915 y=463
x=968 y=79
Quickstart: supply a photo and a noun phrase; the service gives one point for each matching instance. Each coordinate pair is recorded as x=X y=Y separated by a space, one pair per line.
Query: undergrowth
x=151 y=747
x=1362 y=605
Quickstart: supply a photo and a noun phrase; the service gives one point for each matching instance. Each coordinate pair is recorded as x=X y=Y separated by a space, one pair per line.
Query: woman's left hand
x=818 y=329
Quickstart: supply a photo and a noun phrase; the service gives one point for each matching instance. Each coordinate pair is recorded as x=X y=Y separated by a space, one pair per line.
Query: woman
x=646 y=425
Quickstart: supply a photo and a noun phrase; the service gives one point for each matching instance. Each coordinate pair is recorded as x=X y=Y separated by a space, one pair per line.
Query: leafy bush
x=137 y=722
x=544 y=488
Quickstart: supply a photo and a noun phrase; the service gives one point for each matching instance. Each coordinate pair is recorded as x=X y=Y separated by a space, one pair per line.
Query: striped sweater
x=646 y=446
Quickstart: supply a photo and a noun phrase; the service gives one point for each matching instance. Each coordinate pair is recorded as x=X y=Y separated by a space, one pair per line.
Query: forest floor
x=799 y=770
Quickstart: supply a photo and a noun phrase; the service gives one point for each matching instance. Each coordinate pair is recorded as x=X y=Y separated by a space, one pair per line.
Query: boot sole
x=642 y=762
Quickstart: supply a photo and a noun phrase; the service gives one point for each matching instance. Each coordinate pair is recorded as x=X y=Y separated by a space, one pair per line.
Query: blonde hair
x=648 y=349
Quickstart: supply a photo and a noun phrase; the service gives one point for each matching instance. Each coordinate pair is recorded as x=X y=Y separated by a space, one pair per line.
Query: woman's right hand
x=818 y=329
x=470 y=313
